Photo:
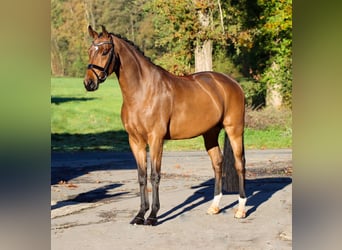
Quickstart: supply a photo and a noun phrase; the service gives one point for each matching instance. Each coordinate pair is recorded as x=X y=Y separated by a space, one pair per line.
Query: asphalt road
x=94 y=195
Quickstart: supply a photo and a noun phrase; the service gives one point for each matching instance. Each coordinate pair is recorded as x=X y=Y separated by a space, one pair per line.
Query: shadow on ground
x=66 y=173
x=60 y=100
x=258 y=191
x=95 y=195
x=110 y=140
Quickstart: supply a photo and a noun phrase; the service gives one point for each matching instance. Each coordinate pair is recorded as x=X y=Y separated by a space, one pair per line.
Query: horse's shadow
x=262 y=188
x=92 y=196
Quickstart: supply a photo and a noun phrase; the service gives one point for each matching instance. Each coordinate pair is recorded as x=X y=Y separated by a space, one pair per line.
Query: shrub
x=268 y=118
x=254 y=93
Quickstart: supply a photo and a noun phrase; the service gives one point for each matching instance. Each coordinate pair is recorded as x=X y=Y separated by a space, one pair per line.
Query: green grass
x=82 y=120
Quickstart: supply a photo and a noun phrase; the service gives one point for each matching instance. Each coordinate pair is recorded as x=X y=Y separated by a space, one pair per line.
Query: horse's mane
x=136 y=47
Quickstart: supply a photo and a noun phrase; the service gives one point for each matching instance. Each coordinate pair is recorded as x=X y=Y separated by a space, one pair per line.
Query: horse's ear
x=104 y=31
x=92 y=32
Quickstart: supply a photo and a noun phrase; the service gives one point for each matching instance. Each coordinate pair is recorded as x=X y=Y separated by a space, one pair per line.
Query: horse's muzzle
x=90 y=85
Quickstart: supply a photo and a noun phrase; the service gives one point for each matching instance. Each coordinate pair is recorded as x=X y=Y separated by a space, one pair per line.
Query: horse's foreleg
x=139 y=152
x=156 y=149
x=213 y=149
x=236 y=142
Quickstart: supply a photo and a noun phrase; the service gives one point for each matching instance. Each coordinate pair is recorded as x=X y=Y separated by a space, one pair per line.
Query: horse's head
x=101 y=59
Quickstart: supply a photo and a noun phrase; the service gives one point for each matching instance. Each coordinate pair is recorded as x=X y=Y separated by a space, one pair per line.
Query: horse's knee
x=142 y=179
x=155 y=178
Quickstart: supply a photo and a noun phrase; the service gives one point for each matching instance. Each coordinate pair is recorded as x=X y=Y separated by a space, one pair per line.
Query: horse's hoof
x=240 y=214
x=151 y=222
x=213 y=210
x=137 y=221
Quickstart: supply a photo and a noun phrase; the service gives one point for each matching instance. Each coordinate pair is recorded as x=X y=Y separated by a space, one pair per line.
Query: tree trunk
x=221 y=15
x=273 y=94
x=203 y=56
x=203 y=50
x=57 y=67
x=89 y=13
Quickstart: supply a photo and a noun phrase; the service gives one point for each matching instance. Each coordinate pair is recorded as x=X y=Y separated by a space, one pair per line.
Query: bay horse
x=158 y=106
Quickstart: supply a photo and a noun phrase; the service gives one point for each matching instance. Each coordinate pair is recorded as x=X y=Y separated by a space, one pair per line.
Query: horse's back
x=216 y=89
x=227 y=85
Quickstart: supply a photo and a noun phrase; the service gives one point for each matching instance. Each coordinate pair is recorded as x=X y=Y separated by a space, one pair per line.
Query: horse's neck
x=134 y=68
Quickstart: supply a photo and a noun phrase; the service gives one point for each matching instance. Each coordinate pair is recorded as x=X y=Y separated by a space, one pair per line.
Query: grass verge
x=82 y=120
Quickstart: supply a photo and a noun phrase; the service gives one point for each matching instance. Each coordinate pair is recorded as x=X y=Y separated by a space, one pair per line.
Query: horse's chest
x=139 y=120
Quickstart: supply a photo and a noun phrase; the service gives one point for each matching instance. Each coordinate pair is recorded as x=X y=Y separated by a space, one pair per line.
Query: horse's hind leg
x=213 y=149
x=235 y=134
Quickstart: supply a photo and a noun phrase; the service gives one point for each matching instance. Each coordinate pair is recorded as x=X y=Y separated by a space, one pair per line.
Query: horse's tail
x=230 y=180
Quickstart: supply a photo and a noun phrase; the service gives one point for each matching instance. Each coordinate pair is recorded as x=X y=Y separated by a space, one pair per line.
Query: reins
x=104 y=69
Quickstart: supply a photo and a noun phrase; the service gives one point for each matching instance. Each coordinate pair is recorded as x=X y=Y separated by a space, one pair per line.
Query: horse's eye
x=105 y=52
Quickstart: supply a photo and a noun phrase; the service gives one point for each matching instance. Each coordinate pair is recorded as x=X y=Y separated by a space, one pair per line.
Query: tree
x=185 y=33
x=203 y=48
x=276 y=29
x=174 y=25
x=259 y=37
x=57 y=65
x=250 y=39
x=68 y=37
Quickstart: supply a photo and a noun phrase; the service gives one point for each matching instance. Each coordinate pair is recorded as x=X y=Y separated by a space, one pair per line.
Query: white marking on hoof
x=239 y=214
x=217 y=199
x=241 y=211
x=215 y=206
x=213 y=210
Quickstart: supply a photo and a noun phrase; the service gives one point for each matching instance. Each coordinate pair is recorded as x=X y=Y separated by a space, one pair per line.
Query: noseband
x=104 y=69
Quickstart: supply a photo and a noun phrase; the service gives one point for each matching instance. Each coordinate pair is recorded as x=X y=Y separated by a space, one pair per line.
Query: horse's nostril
x=90 y=85
x=87 y=83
